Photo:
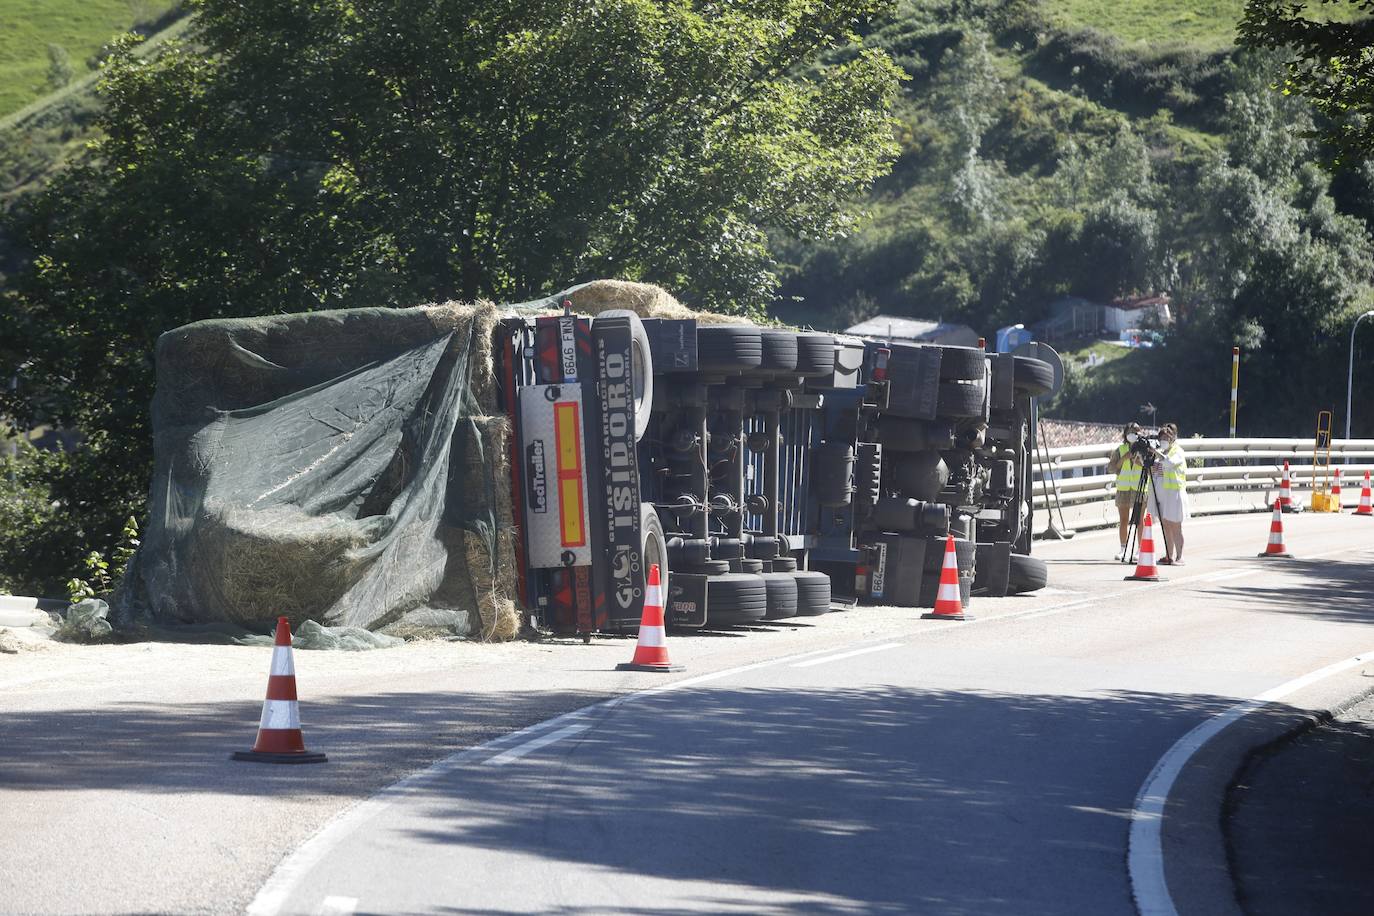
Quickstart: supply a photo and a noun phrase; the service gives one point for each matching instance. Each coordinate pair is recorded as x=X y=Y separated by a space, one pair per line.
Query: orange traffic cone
x=949 y=603
x=1276 y=548
x=279 y=732
x=1336 y=491
x=651 y=652
x=1366 y=508
x=1145 y=569
x=1286 y=491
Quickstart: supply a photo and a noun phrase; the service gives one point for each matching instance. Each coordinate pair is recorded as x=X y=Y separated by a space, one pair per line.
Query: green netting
x=339 y=467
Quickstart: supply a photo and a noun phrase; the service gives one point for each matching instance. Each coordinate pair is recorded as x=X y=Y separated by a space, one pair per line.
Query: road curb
x=1305 y=724
x=1197 y=851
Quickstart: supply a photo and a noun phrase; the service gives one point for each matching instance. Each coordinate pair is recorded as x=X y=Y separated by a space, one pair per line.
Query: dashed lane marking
x=834 y=658
x=292 y=870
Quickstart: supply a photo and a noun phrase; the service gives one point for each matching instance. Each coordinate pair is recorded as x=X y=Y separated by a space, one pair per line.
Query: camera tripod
x=1147 y=463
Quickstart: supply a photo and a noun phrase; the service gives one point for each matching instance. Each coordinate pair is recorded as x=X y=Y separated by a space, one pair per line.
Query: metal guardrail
x=1224 y=475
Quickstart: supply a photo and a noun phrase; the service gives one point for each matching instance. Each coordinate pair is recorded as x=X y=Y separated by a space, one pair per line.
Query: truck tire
x=1026 y=574
x=782 y=595
x=784 y=564
x=965 y=552
x=709 y=568
x=779 y=351
x=735 y=598
x=728 y=348
x=750 y=566
x=642 y=368
x=654 y=546
x=900 y=434
x=920 y=475
x=961 y=400
x=962 y=363
x=815 y=353
x=1032 y=376
x=813 y=592
x=930 y=588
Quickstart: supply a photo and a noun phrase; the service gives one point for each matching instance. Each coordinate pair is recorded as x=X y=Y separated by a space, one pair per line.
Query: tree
x=1332 y=66
x=300 y=156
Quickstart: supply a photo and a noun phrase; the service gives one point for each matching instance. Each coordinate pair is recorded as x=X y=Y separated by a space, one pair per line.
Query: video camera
x=1146 y=443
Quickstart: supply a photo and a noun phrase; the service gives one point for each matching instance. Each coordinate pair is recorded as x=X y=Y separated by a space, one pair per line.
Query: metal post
x=1235 y=379
x=1350 y=373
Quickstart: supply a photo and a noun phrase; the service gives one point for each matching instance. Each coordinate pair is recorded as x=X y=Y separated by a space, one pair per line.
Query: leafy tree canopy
x=1332 y=64
x=298 y=156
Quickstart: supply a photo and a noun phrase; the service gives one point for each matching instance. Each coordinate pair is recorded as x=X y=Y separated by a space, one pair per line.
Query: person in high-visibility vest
x=1169 y=495
x=1129 y=479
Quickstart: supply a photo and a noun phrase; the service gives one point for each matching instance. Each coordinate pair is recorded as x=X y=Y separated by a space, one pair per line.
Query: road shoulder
x=1194 y=837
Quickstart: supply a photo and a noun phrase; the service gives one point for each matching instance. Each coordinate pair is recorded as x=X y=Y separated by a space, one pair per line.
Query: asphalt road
x=859 y=762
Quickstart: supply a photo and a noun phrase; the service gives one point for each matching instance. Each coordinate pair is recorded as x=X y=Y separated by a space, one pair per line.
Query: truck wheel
x=1032 y=376
x=900 y=434
x=735 y=598
x=1026 y=574
x=962 y=363
x=813 y=592
x=642 y=368
x=815 y=353
x=654 y=546
x=961 y=400
x=728 y=348
x=709 y=568
x=779 y=351
x=782 y=595
x=965 y=552
x=930 y=588
x=920 y=475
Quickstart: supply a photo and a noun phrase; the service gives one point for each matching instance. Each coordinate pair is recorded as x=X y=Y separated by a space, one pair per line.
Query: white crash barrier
x=1224 y=475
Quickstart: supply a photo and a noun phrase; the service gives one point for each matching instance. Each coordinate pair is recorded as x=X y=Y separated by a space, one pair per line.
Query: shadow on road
x=1338 y=591
x=883 y=799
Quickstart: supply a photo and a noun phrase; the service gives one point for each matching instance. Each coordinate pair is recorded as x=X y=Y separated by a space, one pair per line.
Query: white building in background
x=1145 y=312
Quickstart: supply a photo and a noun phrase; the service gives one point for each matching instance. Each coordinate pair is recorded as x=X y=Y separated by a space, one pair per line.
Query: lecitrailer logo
x=535 y=474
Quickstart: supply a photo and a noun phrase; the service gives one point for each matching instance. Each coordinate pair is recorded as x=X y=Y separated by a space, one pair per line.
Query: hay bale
x=644 y=299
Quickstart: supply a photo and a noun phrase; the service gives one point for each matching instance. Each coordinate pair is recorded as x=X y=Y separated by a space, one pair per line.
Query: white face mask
x=1131 y=437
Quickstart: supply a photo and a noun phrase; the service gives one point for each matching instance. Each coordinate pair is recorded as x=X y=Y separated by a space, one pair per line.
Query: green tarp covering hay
x=346 y=467
x=343 y=467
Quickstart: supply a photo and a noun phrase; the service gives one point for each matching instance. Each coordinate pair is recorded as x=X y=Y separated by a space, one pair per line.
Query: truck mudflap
x=685 y=603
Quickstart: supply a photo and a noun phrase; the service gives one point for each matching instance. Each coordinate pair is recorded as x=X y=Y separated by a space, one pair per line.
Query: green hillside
x=1209 y=25
x=81 y=27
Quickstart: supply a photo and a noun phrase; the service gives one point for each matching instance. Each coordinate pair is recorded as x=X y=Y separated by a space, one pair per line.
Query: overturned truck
x=470 y=470
x=773 y=473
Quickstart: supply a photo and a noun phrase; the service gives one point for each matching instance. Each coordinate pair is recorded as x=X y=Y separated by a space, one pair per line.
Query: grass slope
x=27 y=27
x=1206 y=24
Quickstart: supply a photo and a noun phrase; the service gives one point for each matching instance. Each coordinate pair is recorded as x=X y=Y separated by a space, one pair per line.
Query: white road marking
x=289 y=872
x=337 y=906
x=534 y=744
x=1145 y=851
x=835 y=658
